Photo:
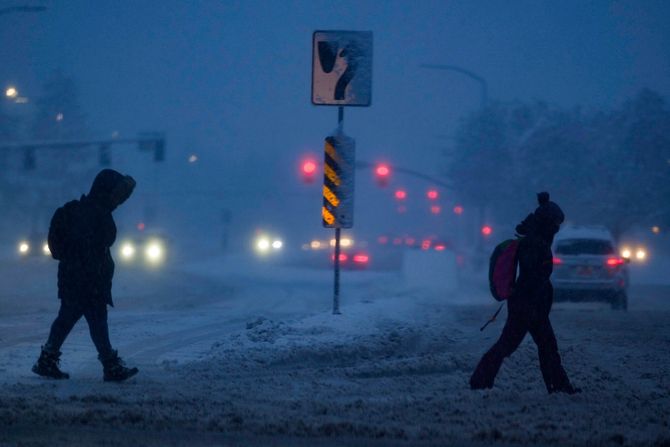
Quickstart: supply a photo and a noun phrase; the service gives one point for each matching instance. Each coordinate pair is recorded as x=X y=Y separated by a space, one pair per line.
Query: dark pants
x=68 y=315
x=517 y=325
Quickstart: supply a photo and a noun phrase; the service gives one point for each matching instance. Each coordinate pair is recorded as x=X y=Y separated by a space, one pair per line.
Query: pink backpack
x=502 y=269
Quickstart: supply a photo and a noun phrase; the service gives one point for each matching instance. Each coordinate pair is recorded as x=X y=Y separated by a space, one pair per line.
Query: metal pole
x=336 y=288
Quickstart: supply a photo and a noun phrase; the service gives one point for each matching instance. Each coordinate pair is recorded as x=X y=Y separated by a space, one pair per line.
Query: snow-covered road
x=233 y=353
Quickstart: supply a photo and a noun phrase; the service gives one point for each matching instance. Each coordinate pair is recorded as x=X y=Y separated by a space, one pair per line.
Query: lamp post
x=484 y=92
x=482 y=82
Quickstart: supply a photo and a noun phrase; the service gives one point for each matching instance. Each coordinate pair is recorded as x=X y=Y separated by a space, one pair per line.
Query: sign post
x=341 y=76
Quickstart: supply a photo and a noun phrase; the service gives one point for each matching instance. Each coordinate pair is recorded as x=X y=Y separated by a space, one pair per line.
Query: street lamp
x=482 y=82
x=11 y=92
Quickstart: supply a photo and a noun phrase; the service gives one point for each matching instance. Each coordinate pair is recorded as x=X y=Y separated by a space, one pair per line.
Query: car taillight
x=343 y=257
x=557 y=261
x=361 y=259
x=613 y=262
x=440 y=247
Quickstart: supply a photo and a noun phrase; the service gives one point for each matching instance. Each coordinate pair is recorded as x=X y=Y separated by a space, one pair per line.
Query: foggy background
x=229 y=82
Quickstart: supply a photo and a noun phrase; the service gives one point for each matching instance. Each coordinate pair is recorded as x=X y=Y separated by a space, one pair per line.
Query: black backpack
x=65 y=232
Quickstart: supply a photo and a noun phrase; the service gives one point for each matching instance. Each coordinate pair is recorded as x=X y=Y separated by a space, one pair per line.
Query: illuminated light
x=332 y=242
x=432 y=194
x=436 y=209
x=140 y=226
x=397 y=241
x=263 y=244
x=612 y=262
x=425 y=244
x=361 y=259
x=46 y=250
x=487 y=230
x=154 y=252
x=401 y=194
x=440 y=247
x=409 y=241
x=346 y=242
x=11 y=92
x=59 y=117
x=343 y=257
x=557 y=261
x=382 y=170
x=458 y=210
x=640 y=255
x=24 y=248
x=655 y=229
x=277 y=244
x=383 y=240
x=309 y=167
x=315 y=244
x=193 y=158
x=127 y=250
x=626 y=253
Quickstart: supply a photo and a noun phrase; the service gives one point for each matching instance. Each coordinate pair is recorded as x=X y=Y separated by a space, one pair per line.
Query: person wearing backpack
x=530 y=303
x=80 y=236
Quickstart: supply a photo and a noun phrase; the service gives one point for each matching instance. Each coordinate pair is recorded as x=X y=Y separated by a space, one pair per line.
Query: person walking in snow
x=80 y=236
x=530 y=303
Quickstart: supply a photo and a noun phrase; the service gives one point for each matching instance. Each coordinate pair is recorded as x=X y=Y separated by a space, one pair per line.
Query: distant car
x=148 y=249
x=588 y=267
x=34 y=246
x=353 y=259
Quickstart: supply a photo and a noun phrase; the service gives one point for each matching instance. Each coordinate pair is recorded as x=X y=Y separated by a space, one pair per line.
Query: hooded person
x=530 y=304
x=80 y=236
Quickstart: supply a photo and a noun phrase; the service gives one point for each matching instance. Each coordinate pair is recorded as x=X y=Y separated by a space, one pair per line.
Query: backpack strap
x=493 y=318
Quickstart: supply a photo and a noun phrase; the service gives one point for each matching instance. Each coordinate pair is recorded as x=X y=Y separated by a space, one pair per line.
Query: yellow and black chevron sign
x=338 y=182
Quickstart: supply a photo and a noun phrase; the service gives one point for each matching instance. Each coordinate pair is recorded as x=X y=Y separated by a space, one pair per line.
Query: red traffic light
x=382 y=174
x=487 y=230
x=382 y=170
x=308 y=169
x=432 y=194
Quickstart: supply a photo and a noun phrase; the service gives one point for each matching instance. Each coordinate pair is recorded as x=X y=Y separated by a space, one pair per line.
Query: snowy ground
x=236 y=353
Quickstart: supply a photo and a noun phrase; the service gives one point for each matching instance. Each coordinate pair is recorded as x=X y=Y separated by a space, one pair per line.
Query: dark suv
x=588 y=267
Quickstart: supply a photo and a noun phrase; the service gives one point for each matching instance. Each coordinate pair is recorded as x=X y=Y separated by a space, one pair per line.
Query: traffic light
x=308 y=169
x=29 y=159
x=382 y=174
x=159 y=150
x=104 y=157
x=153 y=142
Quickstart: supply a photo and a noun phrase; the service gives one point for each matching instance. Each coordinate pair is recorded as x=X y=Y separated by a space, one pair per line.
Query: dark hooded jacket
x=80 y=236
x=533 y=290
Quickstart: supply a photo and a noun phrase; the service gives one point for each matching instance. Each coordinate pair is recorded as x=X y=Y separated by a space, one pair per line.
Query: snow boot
x=114 y=369
x=47 y=365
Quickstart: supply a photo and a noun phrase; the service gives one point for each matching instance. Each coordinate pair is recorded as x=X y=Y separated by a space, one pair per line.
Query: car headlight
x=277 y=244
x=46 y=250
x=626 y=253
x=154 y=252
x=24 y=248
x=263 y=244
x=127 y=251
x=640 y=254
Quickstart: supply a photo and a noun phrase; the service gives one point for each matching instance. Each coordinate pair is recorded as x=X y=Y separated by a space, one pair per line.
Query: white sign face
x=342 y=68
